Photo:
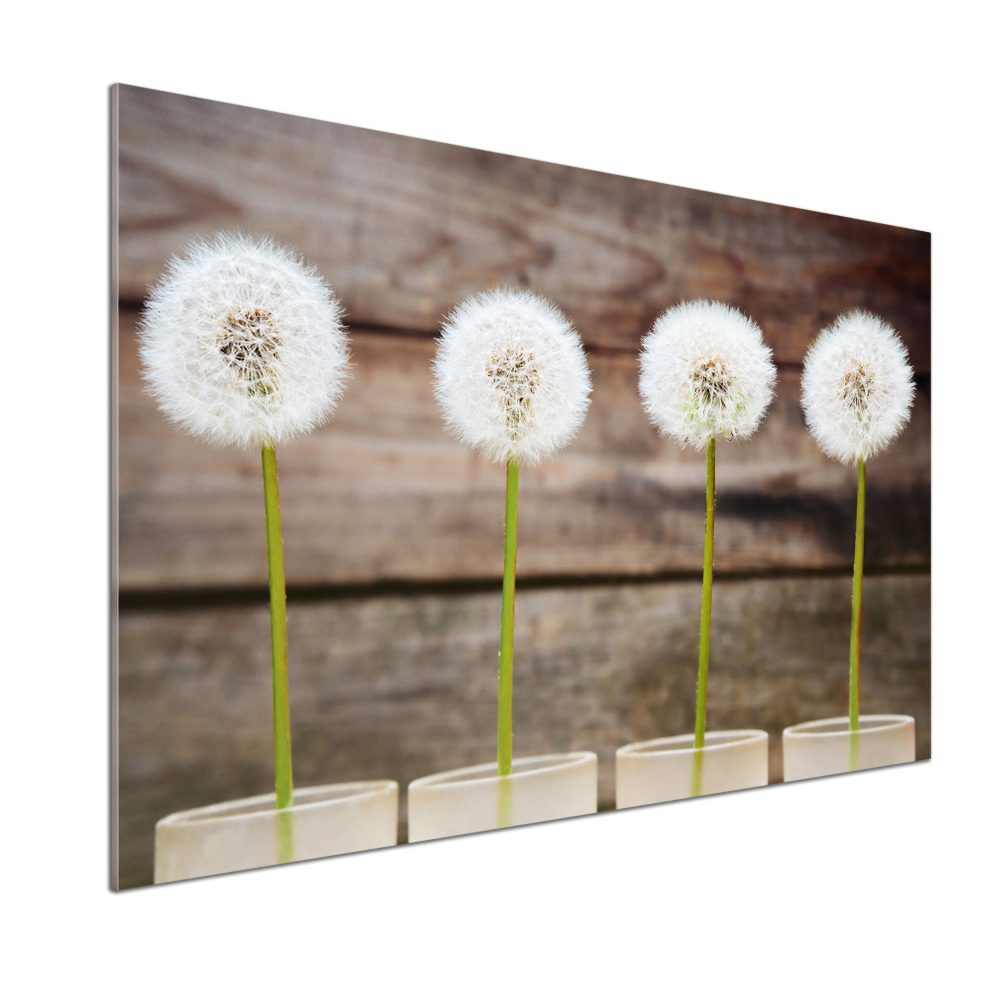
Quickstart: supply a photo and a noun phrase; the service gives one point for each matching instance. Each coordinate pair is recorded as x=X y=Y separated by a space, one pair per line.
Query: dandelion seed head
x=242 y=344
x=857 y=387
x=510 y=376
x=704 y=371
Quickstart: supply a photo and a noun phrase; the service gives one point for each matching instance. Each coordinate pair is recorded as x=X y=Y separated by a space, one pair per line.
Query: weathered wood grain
x=404 y=228
x=383 y=492
x=404 y=686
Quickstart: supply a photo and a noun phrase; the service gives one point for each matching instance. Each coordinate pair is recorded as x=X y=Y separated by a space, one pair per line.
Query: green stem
x=706 y=618
x=286 y=837
x=859 y=560
x=505 y=707
x=279 y=632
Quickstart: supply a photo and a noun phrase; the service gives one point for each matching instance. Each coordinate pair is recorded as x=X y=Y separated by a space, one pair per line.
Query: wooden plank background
x=393 y=531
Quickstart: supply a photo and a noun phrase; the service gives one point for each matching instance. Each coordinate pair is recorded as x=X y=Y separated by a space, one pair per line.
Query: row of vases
x=339 y=819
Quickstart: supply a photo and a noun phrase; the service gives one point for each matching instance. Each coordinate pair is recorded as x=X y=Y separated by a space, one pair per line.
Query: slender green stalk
x=286 y=837
x=279 y=632
x=505 y=700
x=706 y=619
x=504 y=793
x=505 y=708
x=859 y=560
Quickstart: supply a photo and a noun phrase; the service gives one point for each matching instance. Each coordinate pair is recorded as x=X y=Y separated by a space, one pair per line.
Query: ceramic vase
x=665 y=769
x=472 y=799
x=814 y=749
x=252 y=833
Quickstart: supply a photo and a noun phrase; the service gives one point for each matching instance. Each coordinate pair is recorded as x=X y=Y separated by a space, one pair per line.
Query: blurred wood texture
x=404 y=686
x=405 y=228
x=384 y=493
x=393 y=531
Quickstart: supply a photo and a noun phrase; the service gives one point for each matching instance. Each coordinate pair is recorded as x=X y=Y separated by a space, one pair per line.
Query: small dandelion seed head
x=704 y=371
x=857 y=387
x=242 y=344
x=510 y=376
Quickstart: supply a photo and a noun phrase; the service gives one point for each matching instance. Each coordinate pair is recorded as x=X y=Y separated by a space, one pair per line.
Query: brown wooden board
x=384 y=493
x=398 y=687
x=404 y=229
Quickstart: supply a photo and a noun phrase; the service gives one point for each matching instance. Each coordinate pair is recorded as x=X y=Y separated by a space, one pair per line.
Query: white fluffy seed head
x=242 y=344
x=704 y=371
x=511 y=376
x=857 y=387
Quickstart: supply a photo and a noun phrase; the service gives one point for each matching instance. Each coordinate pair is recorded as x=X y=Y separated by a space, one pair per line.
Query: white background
x=833 y=888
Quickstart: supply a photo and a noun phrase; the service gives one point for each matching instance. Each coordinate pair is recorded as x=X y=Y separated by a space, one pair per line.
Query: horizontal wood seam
x=184 y=598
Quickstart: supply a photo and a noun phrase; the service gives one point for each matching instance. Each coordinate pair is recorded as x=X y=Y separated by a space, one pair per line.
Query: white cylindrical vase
x=252 y=833
x=664 y=769
x=472 y=799
x=814 y=749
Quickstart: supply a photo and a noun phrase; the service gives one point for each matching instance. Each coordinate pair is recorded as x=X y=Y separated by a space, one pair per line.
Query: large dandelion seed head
x=511 y=376
x=242 y=344
x=704 y=371
x=857 y=387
